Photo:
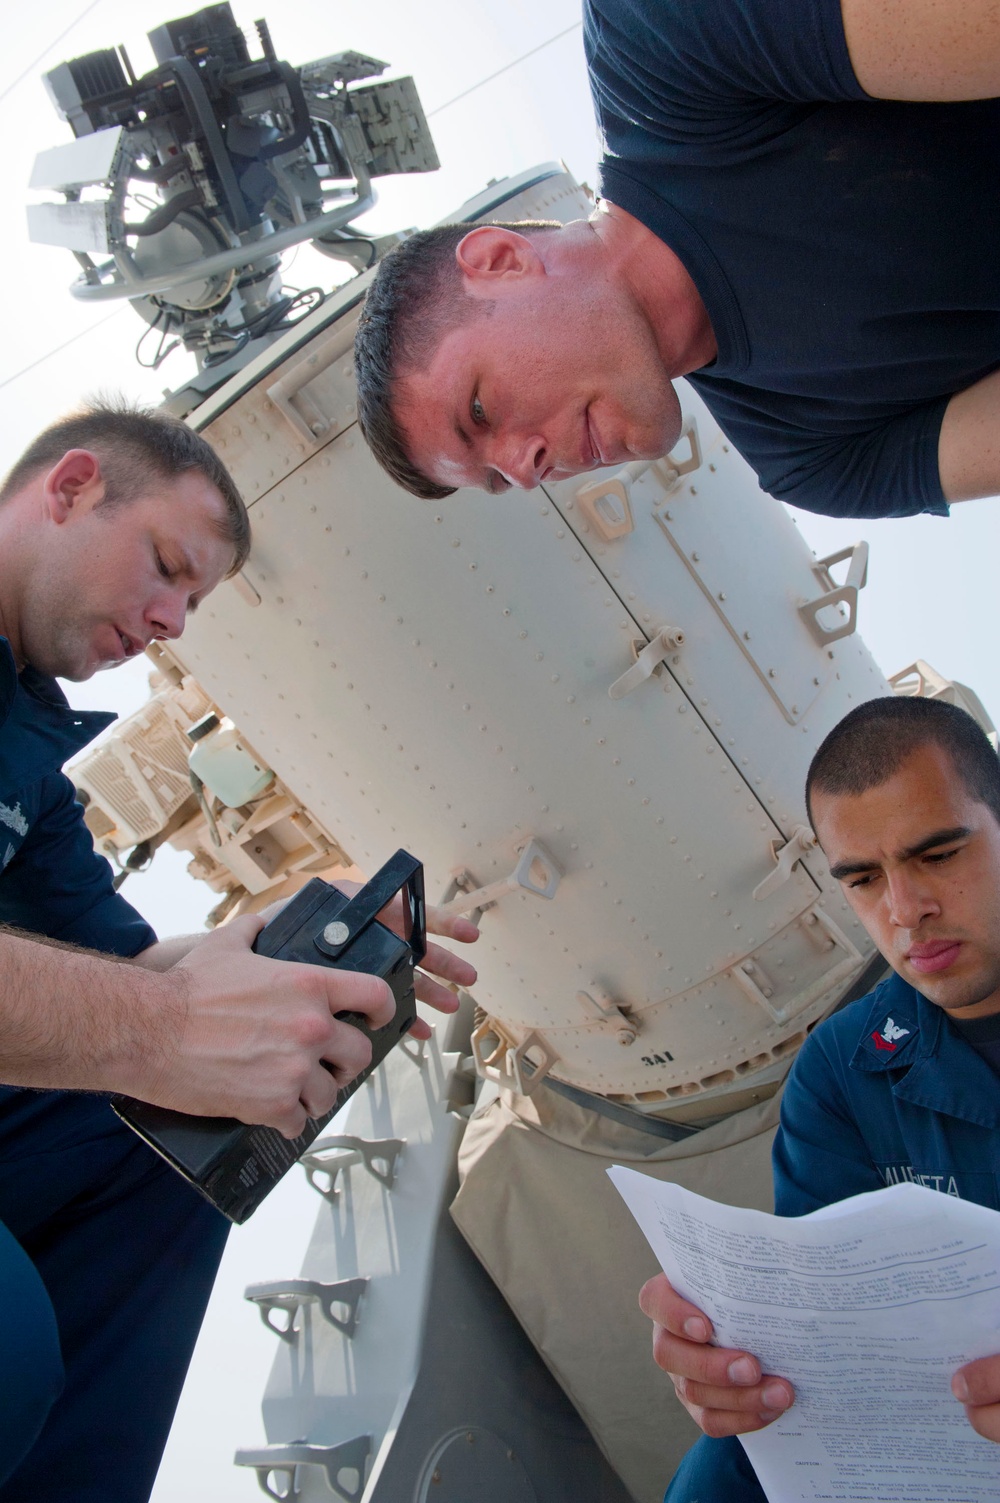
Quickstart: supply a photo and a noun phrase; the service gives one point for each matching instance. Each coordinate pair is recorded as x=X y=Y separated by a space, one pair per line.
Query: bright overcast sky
x=930 y=581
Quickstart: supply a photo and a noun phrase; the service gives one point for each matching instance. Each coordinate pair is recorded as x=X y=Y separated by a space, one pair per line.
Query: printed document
x=867 y=1307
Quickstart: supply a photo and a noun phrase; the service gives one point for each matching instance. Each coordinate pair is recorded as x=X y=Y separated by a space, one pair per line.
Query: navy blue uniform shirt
x=844 y=247
x=52 y=881
x=886 y=1091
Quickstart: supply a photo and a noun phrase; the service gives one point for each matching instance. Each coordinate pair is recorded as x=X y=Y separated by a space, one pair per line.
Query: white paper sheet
x=867 y=1308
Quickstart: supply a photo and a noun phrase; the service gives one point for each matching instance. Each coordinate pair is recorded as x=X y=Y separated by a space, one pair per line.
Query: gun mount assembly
x=183 y=187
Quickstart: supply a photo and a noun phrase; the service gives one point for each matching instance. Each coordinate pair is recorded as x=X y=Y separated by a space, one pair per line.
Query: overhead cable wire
x=505 y=69
x=59 y=347
x=45 y=52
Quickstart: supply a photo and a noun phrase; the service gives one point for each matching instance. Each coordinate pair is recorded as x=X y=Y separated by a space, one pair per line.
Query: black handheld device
x=234 y=1165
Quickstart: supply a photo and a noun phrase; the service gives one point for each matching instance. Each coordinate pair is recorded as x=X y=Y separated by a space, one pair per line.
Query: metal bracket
x=415 y=1049
x=607 y=502
x=787 y=858
x=498 y=1061
x=330 y=1155
x=306 y=419
x=845 y=594
x=752 y=979
x=671 y=469
x=289 y=1295
x=821 y=929
x=648 y=657
x=535 y=872
x=284 y=1461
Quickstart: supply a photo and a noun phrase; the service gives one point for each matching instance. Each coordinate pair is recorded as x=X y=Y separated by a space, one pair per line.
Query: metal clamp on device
x=233 y=1165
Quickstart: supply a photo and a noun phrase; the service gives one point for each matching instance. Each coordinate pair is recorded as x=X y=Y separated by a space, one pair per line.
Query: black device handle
x=401 y=871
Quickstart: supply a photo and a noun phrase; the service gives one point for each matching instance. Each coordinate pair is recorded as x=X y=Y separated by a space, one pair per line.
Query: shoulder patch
x=888 y=1037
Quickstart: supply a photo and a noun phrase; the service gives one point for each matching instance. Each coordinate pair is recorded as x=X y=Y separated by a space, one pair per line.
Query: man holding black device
x=114 y=524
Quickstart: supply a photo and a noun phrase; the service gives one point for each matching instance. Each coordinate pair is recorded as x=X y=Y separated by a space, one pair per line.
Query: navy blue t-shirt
x=846 y=248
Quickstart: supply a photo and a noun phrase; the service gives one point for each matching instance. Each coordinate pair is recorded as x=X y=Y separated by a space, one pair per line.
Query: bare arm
x=224 y=1032
x=969 y=445
x=74 y=1019
x=933 y=50
x=201 y=1023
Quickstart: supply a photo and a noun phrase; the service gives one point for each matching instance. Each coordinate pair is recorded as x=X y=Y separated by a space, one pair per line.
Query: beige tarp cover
x=542 y=1216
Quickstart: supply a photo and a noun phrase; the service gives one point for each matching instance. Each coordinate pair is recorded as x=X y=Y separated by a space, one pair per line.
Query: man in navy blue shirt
x=799 y=215
x=904 y=797
x=113 y=526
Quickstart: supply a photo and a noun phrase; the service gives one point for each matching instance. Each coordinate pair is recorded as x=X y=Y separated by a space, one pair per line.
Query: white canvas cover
x=539 y=1211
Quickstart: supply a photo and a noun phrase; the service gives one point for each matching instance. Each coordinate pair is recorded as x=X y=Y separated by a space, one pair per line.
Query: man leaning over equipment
x=115 y=524
x=799 y=215
x=904 y=797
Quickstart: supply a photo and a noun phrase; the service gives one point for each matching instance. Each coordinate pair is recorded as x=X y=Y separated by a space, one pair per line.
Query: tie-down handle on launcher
x=606 y=503
x=536 y=872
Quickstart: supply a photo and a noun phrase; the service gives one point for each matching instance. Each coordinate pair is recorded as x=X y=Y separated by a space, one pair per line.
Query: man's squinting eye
x=162 y=564
x=477 y=411
x=934 y=858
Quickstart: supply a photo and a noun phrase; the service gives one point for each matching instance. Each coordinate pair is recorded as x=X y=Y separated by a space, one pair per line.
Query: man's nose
x=167 y=615
x=910 y=900
x=526 y=461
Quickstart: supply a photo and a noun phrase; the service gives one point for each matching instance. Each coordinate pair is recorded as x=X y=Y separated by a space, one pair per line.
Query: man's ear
x=74 y=486
x=491 y=253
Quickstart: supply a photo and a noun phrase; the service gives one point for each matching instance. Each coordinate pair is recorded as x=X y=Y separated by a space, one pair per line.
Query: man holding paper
x=904 y=797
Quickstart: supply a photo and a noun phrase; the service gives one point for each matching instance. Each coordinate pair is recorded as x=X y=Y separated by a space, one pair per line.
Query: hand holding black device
x=235 y=1165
